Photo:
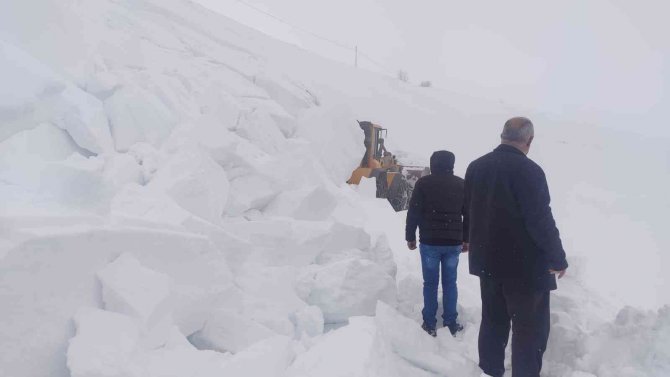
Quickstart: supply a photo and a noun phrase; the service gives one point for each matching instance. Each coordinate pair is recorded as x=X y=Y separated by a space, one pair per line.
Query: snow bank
x=53 y=273
x=348 y=288
x=638 y=339
x=149 y=142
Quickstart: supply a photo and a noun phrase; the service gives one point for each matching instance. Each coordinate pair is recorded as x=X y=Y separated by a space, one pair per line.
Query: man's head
x=518 y=132
x=442 y=162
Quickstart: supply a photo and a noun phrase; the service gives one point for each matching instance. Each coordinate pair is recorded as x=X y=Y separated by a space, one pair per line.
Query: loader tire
x=398 y=194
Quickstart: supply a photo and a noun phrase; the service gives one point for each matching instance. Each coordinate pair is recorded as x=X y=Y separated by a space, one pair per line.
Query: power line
x=336 y=43
x=354 y=49
x=375 y=62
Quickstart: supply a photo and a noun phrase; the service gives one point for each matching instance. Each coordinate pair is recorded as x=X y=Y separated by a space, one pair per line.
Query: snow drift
x=174 y=204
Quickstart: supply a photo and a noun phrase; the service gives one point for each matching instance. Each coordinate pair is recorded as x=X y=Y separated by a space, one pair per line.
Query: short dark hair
x=518 y=129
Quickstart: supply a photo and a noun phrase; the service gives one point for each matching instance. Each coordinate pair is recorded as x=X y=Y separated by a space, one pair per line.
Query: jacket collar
x=508 y=149
x=443 y=172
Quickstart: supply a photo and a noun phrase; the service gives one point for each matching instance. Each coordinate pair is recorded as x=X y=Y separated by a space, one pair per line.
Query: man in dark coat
x=515 y=249
x=436 y=207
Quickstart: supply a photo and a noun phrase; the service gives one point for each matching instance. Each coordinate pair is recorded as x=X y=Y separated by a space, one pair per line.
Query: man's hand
x=559 y=273
x=411 y=245
x=466 y=247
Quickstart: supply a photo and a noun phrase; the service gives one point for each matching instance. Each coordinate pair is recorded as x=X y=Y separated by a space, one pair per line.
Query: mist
x=600 y=62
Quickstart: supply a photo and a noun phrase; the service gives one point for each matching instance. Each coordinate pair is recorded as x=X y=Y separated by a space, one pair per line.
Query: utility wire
x=375 y=62
x=315 y=35
x=336 y=43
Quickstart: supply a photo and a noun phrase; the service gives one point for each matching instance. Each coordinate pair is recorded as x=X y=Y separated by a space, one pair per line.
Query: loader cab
x=380 y=148
x=374 y=144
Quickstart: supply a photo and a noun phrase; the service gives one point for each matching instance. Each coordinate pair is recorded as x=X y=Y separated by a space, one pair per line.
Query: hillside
x=174 y=205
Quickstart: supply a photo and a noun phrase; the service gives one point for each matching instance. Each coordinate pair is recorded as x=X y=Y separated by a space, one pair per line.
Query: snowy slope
x=173 y=204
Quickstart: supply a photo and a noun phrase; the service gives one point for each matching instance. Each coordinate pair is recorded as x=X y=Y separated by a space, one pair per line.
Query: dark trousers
x=528 y=313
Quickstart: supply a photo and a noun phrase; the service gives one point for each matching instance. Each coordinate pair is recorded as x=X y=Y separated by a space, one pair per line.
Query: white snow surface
x=174 y=205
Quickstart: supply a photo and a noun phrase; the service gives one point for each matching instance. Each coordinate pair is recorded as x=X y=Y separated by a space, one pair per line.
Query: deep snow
x=174 y=204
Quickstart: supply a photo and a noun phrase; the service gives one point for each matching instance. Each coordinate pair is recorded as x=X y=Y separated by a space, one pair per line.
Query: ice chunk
x=282 y=242
x=382 y=254
x=32 y=94
x=83 y=117
x=309 y=321
x=344 y=237
x=314 y=204
x=148 y=157
x=402 y=348
x=348 y=288
x=249 y=192
x=44 y=142
x=134 y=290
x=268 y=358
x=109 y=344
x=136 y=115
x=105 y=343
x=195 y=182
x=121 y=169
x=77 y=182
x=227 y=331
x=25 y=154
x=346 y=241
x=258 y=126
x=342 y=352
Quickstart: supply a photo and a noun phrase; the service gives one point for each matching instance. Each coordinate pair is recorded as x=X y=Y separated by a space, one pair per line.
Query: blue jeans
x=431 y=259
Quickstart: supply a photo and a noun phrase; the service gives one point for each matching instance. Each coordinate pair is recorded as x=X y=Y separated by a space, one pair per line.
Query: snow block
x=281 y=242
x=346 y=237
x=77 y=182
x=268 y=358
x=342 y=352
x=121 y=169
x=249 y=192
x=309 y=321
x=311 y=204
x=136 y=115
x=104 y=345
x=33 y=93
x=401 y=348
x=110 y=345
x=348 y=288
x=346 y=241
x=227 y=331
x=24 y=154
x=259 y=127
x=195 y=182
x=134 y=290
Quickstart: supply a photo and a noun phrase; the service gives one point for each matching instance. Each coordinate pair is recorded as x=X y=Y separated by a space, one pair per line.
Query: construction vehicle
x=395 y=182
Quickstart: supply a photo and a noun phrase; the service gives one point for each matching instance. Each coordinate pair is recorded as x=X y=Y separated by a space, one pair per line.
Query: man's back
x=436 y=206
x=513 y=236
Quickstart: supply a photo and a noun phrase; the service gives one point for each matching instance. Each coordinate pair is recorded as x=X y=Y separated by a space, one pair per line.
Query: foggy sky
x=601 y=61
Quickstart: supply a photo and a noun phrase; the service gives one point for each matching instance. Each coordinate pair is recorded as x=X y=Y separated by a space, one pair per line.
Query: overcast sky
x=605 y=60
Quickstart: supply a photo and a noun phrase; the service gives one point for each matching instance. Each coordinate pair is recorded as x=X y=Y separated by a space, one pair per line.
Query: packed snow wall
x=174 y=204
x=160 y=178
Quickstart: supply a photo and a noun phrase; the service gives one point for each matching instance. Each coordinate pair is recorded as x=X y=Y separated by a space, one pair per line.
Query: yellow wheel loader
x=395 y=182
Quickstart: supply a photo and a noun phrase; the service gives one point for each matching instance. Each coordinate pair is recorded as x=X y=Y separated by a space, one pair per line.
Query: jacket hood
x=442 y=162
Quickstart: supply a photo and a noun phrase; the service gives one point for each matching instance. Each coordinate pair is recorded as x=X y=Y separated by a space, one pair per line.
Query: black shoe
x=429 y=330
x=454 y=328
